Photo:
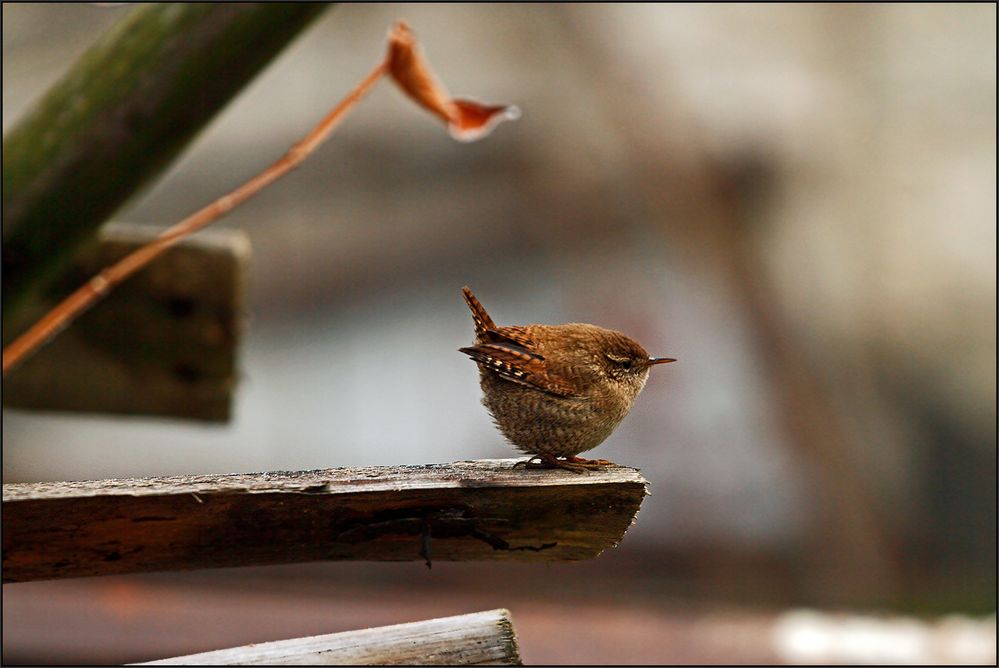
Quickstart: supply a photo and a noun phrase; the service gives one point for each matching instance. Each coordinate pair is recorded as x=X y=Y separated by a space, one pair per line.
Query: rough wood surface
x=473 y=510
x=480 y=638
x=163 y=344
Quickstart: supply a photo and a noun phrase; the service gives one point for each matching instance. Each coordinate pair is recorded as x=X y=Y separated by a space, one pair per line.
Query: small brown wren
x=556 y=390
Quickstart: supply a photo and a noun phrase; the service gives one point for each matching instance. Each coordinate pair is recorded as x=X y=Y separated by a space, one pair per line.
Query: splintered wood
x=463 y=511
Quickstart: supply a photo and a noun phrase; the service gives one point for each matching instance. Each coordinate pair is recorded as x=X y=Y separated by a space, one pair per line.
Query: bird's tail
x=482 y=320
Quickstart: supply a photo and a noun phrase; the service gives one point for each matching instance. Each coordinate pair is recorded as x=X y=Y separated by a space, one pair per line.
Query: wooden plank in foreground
x=480 y=638
x=463 y=511
x=163 y=343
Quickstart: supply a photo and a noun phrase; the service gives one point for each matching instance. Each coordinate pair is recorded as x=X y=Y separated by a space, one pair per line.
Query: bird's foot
x=574 y=464
x=589 y=463
x=536 y=462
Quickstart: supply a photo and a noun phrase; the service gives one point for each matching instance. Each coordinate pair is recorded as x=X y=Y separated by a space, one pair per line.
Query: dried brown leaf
x=467 y=120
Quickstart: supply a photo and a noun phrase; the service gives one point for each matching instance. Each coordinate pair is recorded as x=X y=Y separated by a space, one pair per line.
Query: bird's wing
x=515 y=334
x=518 y=364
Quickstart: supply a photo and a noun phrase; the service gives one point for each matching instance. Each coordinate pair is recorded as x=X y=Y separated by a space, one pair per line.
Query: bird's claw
x=574 y=464
x=590 y=463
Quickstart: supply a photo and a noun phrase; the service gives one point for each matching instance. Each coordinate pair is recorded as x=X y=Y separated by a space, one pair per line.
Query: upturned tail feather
x=510 y=353
x=483 y=323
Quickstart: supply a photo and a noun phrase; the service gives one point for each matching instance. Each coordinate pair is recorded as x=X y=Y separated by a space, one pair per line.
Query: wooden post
x=164 y=343
x=473 y=510
x=480 y=638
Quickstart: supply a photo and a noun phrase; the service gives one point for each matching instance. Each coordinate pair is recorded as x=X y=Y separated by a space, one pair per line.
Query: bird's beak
x=660 y=360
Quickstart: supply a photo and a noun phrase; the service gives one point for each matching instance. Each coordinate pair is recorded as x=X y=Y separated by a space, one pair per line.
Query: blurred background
x=797 y=202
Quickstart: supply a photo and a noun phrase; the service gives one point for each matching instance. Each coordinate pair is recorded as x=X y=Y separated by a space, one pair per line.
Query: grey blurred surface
x=137 y=618
x=798 y=202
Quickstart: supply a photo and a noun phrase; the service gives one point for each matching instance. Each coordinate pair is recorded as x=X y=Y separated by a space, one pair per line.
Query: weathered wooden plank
x=480 y=638
x=473 y=510
x=164 y=343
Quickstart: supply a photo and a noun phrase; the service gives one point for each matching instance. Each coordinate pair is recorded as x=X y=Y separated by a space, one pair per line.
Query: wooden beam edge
x=460 y=474
x=479 y=638
x=463 y=511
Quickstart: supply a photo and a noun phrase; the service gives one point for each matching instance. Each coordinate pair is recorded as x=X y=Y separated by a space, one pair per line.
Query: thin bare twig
x=100 y=285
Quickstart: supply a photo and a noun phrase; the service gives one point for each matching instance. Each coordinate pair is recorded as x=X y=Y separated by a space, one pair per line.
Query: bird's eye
x=623 y=362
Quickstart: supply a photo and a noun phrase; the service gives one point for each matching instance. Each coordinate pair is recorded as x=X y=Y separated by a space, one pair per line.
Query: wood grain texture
x=473 y=510
x=480 y=638
x=164 y=343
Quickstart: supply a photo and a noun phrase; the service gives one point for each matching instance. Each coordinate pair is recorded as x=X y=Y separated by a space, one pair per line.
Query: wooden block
x=163 y=343
x=474 y=510
x=481 y=638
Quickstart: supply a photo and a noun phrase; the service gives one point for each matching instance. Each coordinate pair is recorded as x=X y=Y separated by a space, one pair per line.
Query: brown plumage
x=556 y=390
